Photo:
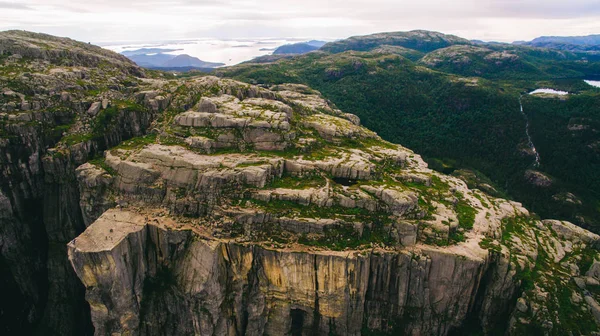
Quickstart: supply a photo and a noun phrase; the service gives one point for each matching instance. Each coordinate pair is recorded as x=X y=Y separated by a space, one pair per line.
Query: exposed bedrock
x=145 y=278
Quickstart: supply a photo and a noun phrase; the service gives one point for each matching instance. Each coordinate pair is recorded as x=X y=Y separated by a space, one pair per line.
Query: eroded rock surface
x=208 y=232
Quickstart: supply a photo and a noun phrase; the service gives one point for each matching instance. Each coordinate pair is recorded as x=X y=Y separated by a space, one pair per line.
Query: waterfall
x=529 y=141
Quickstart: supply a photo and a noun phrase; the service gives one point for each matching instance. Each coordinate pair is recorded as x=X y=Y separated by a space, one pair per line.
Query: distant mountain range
x=158 y=58
x=570 y=43
x=299 y=48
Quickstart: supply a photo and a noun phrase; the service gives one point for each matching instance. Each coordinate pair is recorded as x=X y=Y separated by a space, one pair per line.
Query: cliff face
x=210 y=206
x=48 y=87
x=166 y=281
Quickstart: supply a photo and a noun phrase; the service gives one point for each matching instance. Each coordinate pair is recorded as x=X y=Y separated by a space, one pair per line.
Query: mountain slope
x=461 y=122
x=61 y=51
x=590 y=43
x=420 y=40
x=510 y=62
x=298 y=48
x=577 y=40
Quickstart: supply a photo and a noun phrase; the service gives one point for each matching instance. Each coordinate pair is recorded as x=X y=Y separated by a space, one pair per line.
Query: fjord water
x=230 y=51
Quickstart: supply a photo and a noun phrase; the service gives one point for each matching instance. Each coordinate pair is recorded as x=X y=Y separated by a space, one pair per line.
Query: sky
x=106 y=21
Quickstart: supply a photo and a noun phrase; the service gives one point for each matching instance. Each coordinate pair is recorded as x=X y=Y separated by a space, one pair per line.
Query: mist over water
x=230 y=52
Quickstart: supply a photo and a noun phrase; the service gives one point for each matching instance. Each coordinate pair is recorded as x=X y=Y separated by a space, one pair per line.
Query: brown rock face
x=175 y=281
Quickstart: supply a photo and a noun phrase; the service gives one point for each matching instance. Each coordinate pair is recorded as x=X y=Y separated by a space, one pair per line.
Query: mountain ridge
x=589 y=43
x=157 y=58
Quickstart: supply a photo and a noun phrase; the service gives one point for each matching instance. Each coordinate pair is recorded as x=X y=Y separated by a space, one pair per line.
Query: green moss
x=72 y=139
x=490 y=244
x=456 y=236
x=137 y=142
x=466 y=214
x=101 y=162
x=288 y=208
x=299 y=182
x=251 y=164
x=340 y=237
x=513 y=226
x=105 y=120
x=587 y=257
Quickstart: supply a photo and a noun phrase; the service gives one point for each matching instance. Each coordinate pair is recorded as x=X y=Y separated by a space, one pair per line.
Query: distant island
x=158 y=58
x=299 y=48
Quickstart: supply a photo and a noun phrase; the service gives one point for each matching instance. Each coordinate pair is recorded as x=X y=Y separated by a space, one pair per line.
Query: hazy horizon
x=150 y=21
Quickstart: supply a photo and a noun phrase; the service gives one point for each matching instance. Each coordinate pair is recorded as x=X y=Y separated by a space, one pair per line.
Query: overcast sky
x=156 y=20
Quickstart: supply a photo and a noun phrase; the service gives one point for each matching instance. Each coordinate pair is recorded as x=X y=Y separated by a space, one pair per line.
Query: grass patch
x=101 y=162
x=137 y=142
x=299 y=182
x=466 y=214
x=341 y=237
x=72 y=139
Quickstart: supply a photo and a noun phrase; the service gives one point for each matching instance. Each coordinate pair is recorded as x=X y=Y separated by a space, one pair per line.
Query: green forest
x=470 y=126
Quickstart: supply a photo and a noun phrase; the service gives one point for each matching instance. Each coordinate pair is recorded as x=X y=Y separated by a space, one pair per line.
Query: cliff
x=271 y=212
x=52 y=91
x=210 y=206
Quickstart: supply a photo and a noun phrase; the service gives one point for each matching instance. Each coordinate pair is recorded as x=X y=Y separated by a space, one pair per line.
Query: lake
x=593 y=83
x=549 y=91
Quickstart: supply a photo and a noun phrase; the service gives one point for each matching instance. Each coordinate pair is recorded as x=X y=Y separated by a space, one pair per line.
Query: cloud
x=151 y=20
x=13 y=5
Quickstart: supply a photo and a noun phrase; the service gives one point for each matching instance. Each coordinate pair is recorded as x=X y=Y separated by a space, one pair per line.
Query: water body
x=593 y=83
x=550 y=91
x=230 y=52
x=529 y=141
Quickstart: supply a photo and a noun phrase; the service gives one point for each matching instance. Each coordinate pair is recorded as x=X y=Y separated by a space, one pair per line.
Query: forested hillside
x=459 y=107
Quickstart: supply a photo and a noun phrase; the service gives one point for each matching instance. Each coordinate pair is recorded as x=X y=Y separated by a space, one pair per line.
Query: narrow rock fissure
x=317 y=315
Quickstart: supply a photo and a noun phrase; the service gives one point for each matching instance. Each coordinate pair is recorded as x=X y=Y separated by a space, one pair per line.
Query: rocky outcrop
x=61 y=103
x=217 y=287
x=345 y=235
x=60 y=50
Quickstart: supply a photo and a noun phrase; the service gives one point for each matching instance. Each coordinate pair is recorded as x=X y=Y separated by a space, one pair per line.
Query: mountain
x=299 y=48
x=577 y=40
x=189 y=61
x=459 y=107
x=501 y=61
x=158 y=58
x=137 y=202
x=419 y=40
x=152 y=60
x=145 y=51
x=590 y=43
